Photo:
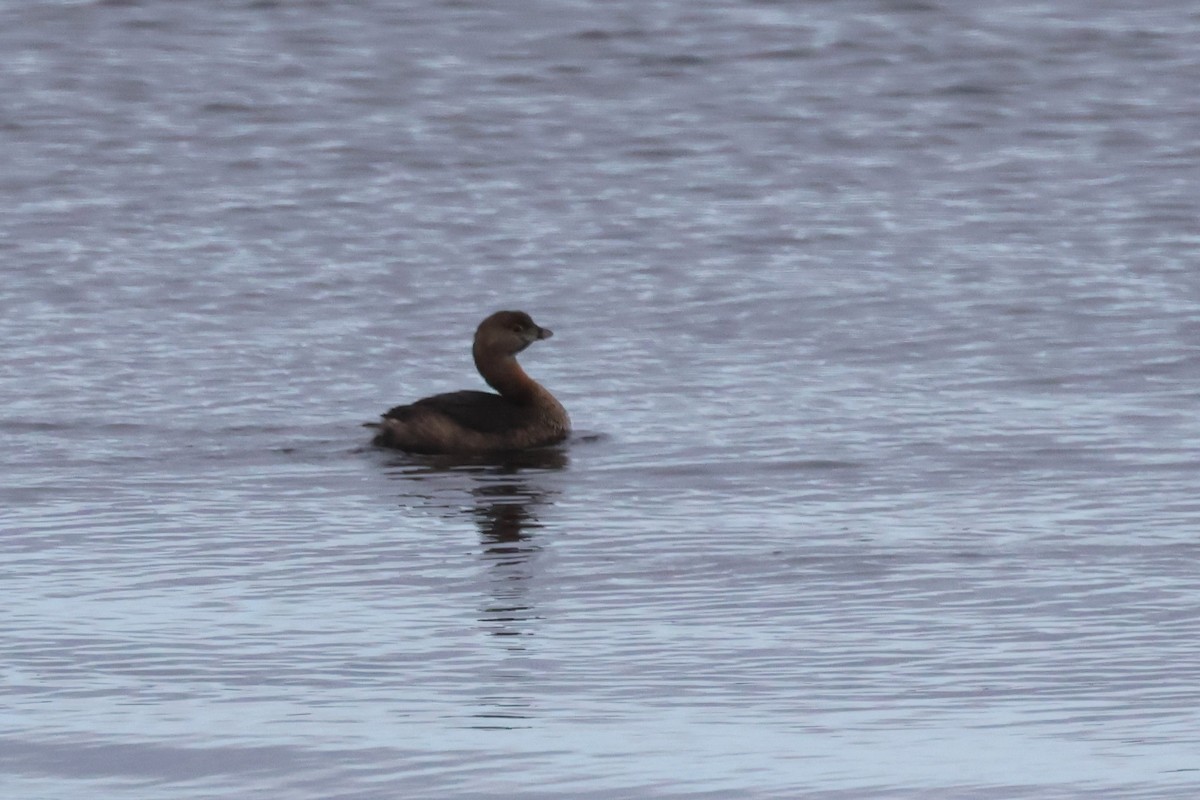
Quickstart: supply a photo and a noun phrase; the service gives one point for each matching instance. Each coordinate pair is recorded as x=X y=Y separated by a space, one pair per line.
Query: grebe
x=523 y=415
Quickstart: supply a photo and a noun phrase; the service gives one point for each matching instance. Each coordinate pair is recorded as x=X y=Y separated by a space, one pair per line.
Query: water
x=880 y=323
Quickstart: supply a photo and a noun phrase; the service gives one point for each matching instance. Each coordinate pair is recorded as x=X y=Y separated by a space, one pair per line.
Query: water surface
x=880 y=323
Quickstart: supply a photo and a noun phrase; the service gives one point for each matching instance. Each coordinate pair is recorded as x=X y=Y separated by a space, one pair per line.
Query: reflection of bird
x=504 y=522
x=524 y=414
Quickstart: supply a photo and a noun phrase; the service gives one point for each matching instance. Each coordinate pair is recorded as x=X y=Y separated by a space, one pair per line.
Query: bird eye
x=517 y=328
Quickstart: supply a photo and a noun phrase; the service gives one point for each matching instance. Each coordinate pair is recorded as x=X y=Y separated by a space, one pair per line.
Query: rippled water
x=880 y=323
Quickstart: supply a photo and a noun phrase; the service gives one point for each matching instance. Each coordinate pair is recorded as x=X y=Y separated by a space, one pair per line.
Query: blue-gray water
x=880 y=323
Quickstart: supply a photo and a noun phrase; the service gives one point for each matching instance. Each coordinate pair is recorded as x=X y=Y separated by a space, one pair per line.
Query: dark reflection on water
x=418 y=466
x=503 y=495
x=507 y=524
x=506 y=513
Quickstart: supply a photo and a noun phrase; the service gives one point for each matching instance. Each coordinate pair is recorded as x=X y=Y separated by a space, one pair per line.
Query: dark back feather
x=478 y=411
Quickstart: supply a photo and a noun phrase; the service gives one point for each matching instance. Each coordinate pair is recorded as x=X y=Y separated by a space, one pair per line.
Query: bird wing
x=479 y=411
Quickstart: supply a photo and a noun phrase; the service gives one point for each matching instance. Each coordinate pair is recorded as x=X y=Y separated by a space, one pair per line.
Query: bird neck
x=505 y=375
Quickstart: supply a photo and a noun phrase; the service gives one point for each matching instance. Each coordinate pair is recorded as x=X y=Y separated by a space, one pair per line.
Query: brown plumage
x=524 y=414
